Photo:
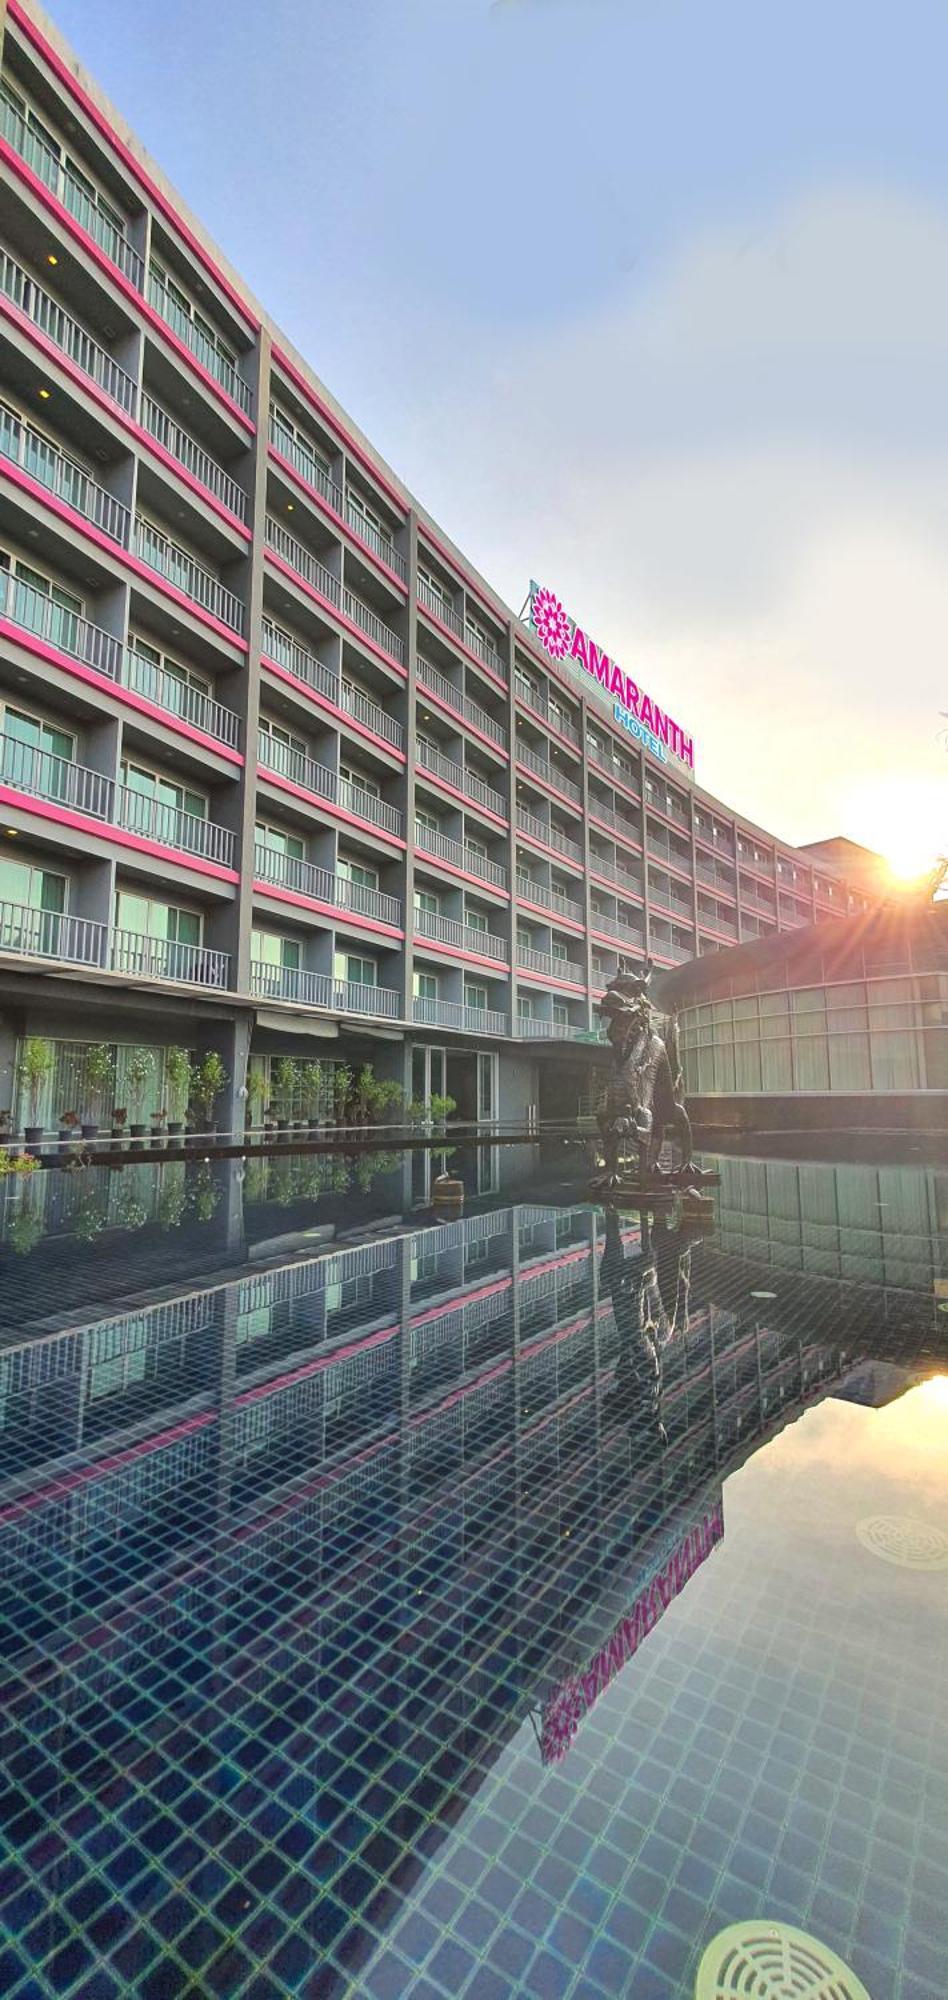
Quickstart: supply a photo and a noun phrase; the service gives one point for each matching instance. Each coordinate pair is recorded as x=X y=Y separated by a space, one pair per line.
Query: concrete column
x=231 y=1041
x=406 y=786
x=246 y=686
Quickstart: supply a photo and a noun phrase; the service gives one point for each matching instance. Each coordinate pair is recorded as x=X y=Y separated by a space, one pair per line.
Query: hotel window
x=145 y=917
x=478 y=636
x=475 y=996
x=356 y=970
x=24 y=885
x=153 y=656
x=188 y=310
x=269 y=948
x=42 y=456
x=33 y=600
x=49 y=154
x=476 y=920
x=474 y=846
x=300 y=445
x=33 y=733
x=153 y=789
x=525 y=685
x=525 y=1007
x=524 y=939
x=425 y=985
x=279 y=841
x=374 y=521
x=560 y=1014
x=560 y=953
x=428 y=821
x=357 y=872
x=434 y=587
x=427 y=904
x=360 y=782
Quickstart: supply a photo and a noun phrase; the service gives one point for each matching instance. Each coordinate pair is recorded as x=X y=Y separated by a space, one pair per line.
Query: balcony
x=528 y=1028
x=607 y=763
x=614 y=927
x=554 y=717
x=320 y=579
x=273 y=755
x=180 y=569
x=667 y=948
x=306 y=464
x=461 y=779
x=630 y=885
x=431 y=600
x=36 y=612
x=196 y=341
x=464 y=937
x=662 y=851
x=169 y=826
x=667 y=811
x=440 y=847
x=180 y=445
x=452 y=1014
x=750 y=900
x=369 y=536
x=73 y=193
x=550 y=966
x=545 y=769
x=64 y=332
x=709 y=920
x=461 y=703
x=723 y=844
x=537 y=829
x=163 y=958
x=722 y=884
x=628 y=827
x=549 y=899
x=175 y=696
x=64 y=480
x=477 y=644
x=305 y=879
x=68 y=940
x=75 y=787
x=319 y=989
x=305 y=666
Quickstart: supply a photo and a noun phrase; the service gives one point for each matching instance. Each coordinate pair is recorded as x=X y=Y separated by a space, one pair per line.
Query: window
x=355 y=970
x=524 y=938
x=374 y=521
x=153 y=789
x=427 y=903
x=39 y=604
x=560 y=953
x=49 y=155
x=434 y=587
x=427 y=820
x=294 y=443
x=269 y=948
x=475 y=846
x=425 y=985
x=360 y=781
x=358 y=872
x=475 y=996
x=560 y=1014
x=279 y=841
x=206 y=333
x=29 y=730
x=525 y=1007
x=476 y=920
x=144 y=917
x=154 y=657
x=29 y=887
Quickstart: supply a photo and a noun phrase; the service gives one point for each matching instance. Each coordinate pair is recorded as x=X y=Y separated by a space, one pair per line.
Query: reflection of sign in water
x=566 y=1706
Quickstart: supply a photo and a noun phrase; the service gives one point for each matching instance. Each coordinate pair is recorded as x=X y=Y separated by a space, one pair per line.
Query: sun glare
x=906 y=822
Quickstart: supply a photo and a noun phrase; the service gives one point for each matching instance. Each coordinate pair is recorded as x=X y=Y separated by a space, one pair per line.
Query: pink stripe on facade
x=544 y=979
x=104 y=828
x=460 y=721
x=313 y=493
x=282 y=895
x=327 y=805
x=465 y=1299
x=434 y=861
x=105 y=685
x=127 y=157
x=470 y=957
x=335 y=611
x=551 y=916
x=337 y=424
x=340 y=714
x=562 y=860
x=435 y=778
x=547 y=784
x=468 y=652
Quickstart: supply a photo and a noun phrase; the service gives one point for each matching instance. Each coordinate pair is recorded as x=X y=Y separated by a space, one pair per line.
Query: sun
x=905 y=820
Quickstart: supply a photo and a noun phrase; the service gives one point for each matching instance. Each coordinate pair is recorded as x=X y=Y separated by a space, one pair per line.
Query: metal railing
x=441 y=847
x=751 y=900
x=666 y=811
x=319 y=989
x=380 y=545
x=631 y=885
x=291 y=872
x=67 y=481
x=197 y=342
x=485 y=651
x=431 y=759
x=709 y=920
x=180 y=445
x=329 y=587
x=666 y=948
x=163 y=958
x=614 y=927
x=537 y=829
x=29 y=933
x=724 y=884
x=325 y=784
x=453 y=1014
x=64 y=332
x=533 y=699
x=74 y=194
x=171 y=826
x=298 y=660
x=461 y=703
x=548 y=963
x=37 y=612
x=372 y=625
x=529 y=1028
x=46 y=776
x=465 y=937
x=663 y=852
x=613 y=769
x=431 y=600
x=547 y=770
x=628 y=828
x=305 y=463
x=549 y=899
x=177 y=697
x=723 y=845
x=180 y=568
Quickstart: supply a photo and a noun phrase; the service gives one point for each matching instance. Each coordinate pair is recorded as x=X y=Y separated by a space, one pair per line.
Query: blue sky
x=646 y=299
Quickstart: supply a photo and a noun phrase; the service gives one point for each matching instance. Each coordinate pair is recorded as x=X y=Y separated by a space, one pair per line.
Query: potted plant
x=285 y=1082
x=178 y=1084
x=256 y=1092
x=98 y=1067
x=173 y=1196
x=139 y=1070
x=119 y=1121
x=384 y=1097
x=311 y=1083
x=440 y=1109
x=68 y=1124
x=341 y=1086
x=158 y=1126
x=35 y=1067
x=208 y=1079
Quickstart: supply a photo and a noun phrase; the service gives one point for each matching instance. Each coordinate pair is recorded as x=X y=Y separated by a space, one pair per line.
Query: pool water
x=499 y=1605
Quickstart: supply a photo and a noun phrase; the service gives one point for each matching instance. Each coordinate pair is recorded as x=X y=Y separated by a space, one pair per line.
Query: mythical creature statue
x=644 y=1100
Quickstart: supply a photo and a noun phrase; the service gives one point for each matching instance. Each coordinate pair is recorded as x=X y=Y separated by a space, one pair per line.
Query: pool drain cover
x=773 y=1962
x=897 y=1538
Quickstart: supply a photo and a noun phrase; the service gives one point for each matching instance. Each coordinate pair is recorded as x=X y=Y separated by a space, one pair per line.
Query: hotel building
x=279 y=770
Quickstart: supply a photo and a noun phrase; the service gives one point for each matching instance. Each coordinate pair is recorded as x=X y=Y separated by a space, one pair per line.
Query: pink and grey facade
x=274 y=760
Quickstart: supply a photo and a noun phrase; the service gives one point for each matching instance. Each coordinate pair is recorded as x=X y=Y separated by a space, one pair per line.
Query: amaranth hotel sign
x=632 y=708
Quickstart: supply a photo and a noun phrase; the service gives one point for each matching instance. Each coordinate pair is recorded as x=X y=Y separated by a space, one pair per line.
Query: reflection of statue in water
x=644 y=1100
x=650 y=1294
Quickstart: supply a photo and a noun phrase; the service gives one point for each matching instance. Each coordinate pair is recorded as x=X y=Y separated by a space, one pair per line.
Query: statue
x=644 y=1102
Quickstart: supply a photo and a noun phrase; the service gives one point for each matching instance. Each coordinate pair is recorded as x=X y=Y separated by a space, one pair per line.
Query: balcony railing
x=667 y=948
x=431 y=600
x=629 y=884
x=180 y=445
x=289 y=872
x=537 y=829
x=464 y=937
x=442 y=848
x=299 y=661
x=547 y=770
x=751 y=900
x=529 y=1028
x=170 y=826
x=724 y=844
x=36 y=612
x=551 y=966
x=549 y=899
x=533 y=699
x=605 y=762
x=65 y=480
x=723 y=884
x=319 y=989
x=329 y=587
x=672 y=812
x=473 y=787
x=197 y=342
x=475 y=643
x=380 y=545
x=614 y=927
x=157 y=685
x=163 y=958
x=662 y=851
x=452 y=1014
x=29 y=933
x=71 y=191
x=709 y=920
x=45 y=776
x=305 y=463
x=179 y=568
x=325 y=784
x=64 y=332
x=461 y=703
x=626 y=826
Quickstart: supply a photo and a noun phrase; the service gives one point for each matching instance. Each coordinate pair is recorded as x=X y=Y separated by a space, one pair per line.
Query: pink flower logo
x=551 y=624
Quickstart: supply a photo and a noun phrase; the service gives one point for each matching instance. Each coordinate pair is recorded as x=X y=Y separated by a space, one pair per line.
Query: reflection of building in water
x=398 y=1491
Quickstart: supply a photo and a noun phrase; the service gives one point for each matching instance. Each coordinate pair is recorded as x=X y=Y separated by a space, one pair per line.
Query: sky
x=644 y=299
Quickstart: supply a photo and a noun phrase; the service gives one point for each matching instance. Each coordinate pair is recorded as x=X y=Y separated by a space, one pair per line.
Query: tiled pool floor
x=487 y=1609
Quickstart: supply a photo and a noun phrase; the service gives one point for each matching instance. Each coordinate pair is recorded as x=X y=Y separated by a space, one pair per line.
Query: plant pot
x=138 y=1131
x=157 y=1135
x=33 y=1134
x=175 y=1127
x=89 y=1131
x=283 y=1125
x=313 y=1124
